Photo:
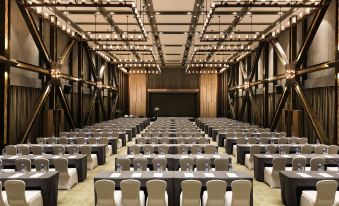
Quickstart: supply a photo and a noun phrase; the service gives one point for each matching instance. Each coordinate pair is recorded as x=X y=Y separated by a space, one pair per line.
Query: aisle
x=83 y=193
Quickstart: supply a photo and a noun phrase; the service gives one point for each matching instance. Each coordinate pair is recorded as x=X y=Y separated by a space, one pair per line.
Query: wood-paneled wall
x=137 y=94
x=208 y=95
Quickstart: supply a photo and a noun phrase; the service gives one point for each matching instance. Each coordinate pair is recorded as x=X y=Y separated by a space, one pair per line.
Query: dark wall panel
x=174 y=104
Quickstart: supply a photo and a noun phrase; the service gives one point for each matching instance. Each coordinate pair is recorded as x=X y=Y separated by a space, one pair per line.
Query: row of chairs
x=93 y=134
x=68 y=177
x=92 y=159
x=181 y=149
x=131 y=194
x=164 y=140
x=220 y=164
x=305 y=149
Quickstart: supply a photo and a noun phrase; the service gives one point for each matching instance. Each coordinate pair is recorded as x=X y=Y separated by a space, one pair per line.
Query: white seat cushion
x=119 y=145
x=308 y=197
x=336 y=200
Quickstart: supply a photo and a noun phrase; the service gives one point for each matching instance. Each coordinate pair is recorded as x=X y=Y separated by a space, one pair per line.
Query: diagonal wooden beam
x=102 y=105
x=281 y=105
x=242 y=69
x=91 y=105
x=102 y=69
x=317 y=19
x=311 y=114
x=65 y=53
x=65 y=106
x=91 y=63
x=243 y=106
x=231 y=105
x=280 y=52
x=42 y=99
x=34 y=31
x=255 y=60
x=254 y=105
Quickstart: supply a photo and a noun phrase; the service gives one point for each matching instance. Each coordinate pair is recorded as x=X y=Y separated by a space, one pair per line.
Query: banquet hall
x=169 y=102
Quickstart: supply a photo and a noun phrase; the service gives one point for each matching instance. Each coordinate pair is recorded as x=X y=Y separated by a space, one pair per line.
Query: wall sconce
x=290 y=73
x=247 y=85
x=55 y=73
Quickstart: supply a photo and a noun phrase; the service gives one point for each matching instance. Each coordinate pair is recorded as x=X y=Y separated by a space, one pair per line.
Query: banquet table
x=173 y=159
x=172 y=147
x=174 y=180
x=172 y=140
x=77 y=161
x=293 y=183
x=98 y=149
x=263 y=160
x=47 y=183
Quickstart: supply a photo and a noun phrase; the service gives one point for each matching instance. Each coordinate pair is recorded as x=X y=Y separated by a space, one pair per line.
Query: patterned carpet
x=83 y=193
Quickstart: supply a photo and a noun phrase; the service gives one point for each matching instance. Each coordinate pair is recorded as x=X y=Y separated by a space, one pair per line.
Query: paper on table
x=268 y=156
x=115 y=175
x=72 y=156
x=16 y=175
x=36 y=175
x=301 y=156
x=136 y=175
x=200 y=156
x=304 y=175
x=325 y=174
x=328 y=156
x=39 y=156
x=189 y=174
x=216 y=156
x=130 y=156
x=147 y=156
x=232 y=174
x=209 y=174
x=184 y=156
x=161 y=156
x=14 y=157
x=286 y=156
x=56 y=157
x=158 y=175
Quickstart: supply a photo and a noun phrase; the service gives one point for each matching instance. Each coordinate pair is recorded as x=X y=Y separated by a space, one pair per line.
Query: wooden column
x=266 y=85
x=80 y=85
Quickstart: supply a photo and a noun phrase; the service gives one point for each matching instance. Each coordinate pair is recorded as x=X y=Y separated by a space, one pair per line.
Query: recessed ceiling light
x=189 y=13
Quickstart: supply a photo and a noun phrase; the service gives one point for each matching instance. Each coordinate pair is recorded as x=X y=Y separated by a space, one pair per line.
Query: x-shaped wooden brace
x=52 y=83
x=293 y=83
x=98 y=92
x=229 y=84
x=249 y=94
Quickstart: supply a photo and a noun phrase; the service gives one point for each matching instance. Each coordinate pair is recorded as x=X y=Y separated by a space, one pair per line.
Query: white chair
x=215 y=194
x=23 y=164
x=141 y=163
x=68 y=177
x=125 y=164
x=323 y=196
x=11 y=150
x=186 y=164
x=255 y=149
x=202 y=163
x=306 y=149
x=282 y=140
x=240 y=140
x=332 y=149
x=131 y=194
x=221 y=164
x=36 y=149
x=296 y=162
x=315 y=163
x=41 y=164
x=159 y=162
x=109 y=150
x=92 y=159
x=157 y=194
x=320 y=149
x=209 y=149
x=190 y=194
x=17 y=196
x=271 y=174
x=3 y=197
x=23 y=149
x=240 y=194
x=106 y=193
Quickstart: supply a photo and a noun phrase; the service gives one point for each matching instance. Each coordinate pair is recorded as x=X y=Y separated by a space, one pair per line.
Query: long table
x=173 y=159
x=98 y=149
x=292 y=184
x=78 y=161
x=263 y=160
x=47 y=183
x=172 y=148
x=172 y=140
x=173 y=180
x=243 y=149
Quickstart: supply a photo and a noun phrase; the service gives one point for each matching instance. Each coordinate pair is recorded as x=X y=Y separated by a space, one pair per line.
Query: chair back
x=81 y=134
x=11 y=150
x=154 y=140
x=162 y=162
x=92 y=140
x=302 y=140
x=181 y=140
x=284 y=148
x=255 y=149
x=203 y=140
x=282 y=140
x=148 y=149
x=298 y=161
x=141 y=162
x=41 y=140
x=272 y=149
x=63 y=140
x=41 y=163
x=281 y=134
x=58 y=150
x=156 y=190
x=23 y=163
x=36 y=149
x=105 y=192
x=186 y=163
x=164 y=140
x=125 y=164
x=15 y=191
x=130 y=192
x=320 y=149
x=81 y=140
x=306 y=149
x=61 y=165
x=252 y=140
x=63 y=134
x=24 y=149
x=202 y=163
x=221 y=164
x=209 y=149
x=332 y=149
x=104 y=140
x=163 y=149
x=279 y=164
x=216 y=190
x=135 y=149
x=241 y=140
x=72 y=149
x=326 y=190
x=190 y=192
x=195 y=149
x=241 y=192
x=182 y=149
x=293 y=140
x=316 y=162
x=141 y=140
x=263 y=140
